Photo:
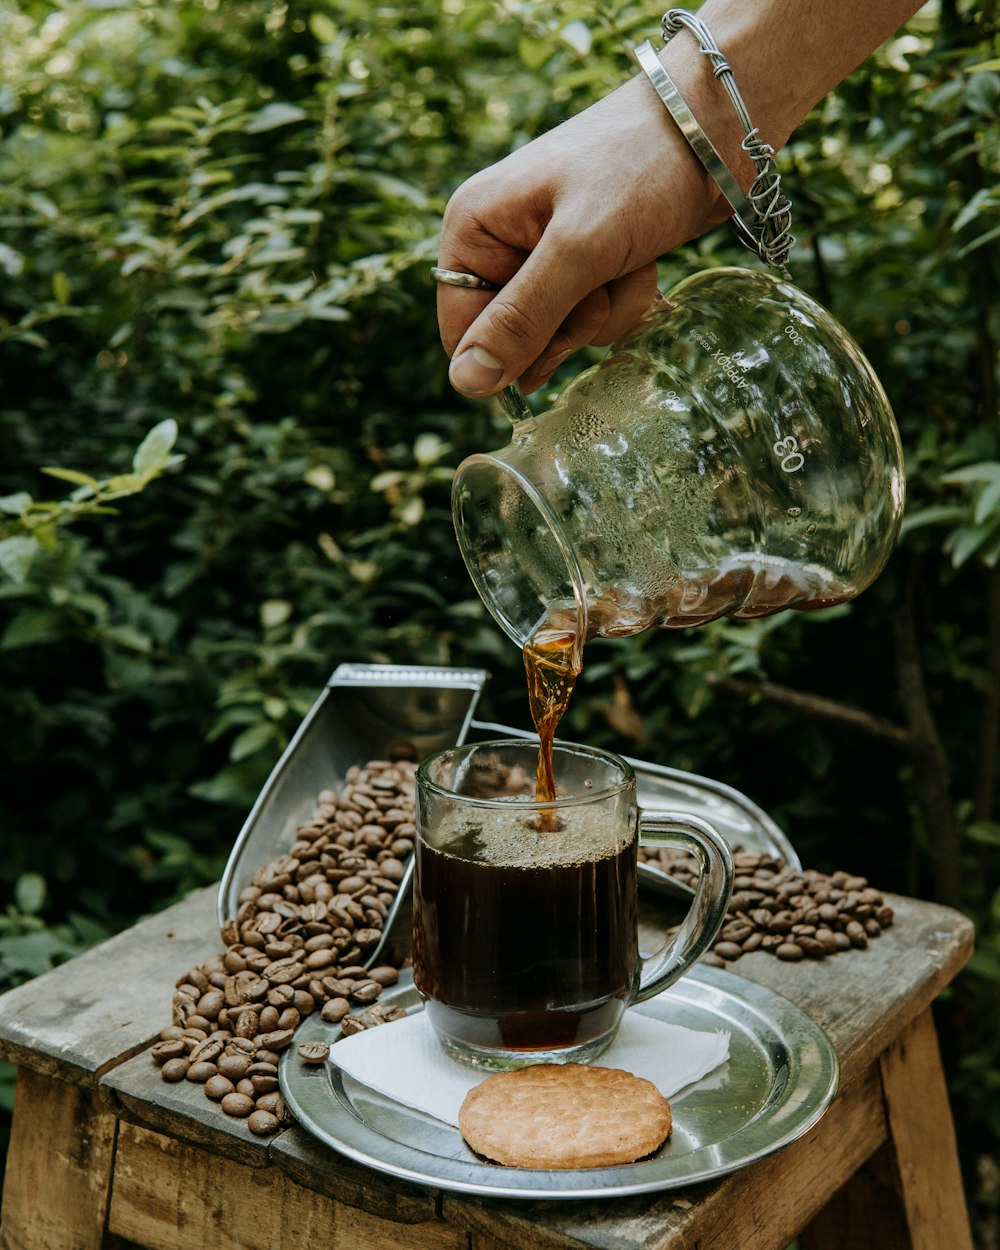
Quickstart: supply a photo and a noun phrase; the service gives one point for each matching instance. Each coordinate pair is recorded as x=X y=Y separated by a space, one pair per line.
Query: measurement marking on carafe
x=794 y=335
x=789 y=456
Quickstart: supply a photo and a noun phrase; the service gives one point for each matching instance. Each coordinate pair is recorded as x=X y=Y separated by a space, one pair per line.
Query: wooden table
x=106 y=1156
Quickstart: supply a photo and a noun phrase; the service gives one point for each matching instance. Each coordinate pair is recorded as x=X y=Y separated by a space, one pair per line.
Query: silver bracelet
x=762 y=215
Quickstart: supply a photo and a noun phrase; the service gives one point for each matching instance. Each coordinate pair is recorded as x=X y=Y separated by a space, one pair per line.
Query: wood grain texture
x=868 y=1211
x=85 y=1016
x=169 y=1196
x=864 y=999
x=88 y=1019
x=136 y=1092
x=313 y=1165
x=923 y=1138
x=58 y=1168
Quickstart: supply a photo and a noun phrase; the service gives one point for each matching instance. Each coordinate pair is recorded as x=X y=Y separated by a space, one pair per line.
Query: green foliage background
x=226 y=444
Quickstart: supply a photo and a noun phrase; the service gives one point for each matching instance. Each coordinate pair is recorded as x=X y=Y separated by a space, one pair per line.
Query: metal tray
x=780 y=1078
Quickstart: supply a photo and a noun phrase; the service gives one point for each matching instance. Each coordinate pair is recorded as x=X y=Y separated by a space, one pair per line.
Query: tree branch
x=815 y=705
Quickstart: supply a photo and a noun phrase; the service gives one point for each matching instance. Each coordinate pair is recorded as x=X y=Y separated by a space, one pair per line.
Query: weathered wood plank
x=759 y=1208
x=58 y=1168
x=136 y=1092
x=864 y=999
x=923 y=1139
x=866 y=1212
x=169 y=1196
x=83 y=1017
x=310 y=1163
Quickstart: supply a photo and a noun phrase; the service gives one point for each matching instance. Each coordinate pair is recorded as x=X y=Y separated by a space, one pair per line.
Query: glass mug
x=734 y=456
x=525 y=933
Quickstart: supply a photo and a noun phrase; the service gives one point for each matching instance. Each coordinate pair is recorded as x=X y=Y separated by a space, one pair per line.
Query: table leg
x=59 y=1167
x=909 y=1195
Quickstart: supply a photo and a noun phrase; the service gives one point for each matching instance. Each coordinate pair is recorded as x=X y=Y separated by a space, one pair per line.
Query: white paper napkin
x=404 y=1060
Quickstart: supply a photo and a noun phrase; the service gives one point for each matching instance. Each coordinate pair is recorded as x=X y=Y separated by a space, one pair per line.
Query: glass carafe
x=734 y=456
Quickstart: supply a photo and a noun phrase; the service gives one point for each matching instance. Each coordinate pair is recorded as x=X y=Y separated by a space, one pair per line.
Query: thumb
x=517 y=325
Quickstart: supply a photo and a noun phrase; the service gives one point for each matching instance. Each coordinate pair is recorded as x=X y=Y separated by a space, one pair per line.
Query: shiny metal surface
x=363 y=710
x=781 y=1076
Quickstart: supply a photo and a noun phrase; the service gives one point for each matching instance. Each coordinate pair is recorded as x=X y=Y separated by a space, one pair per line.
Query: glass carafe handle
x=511 y=398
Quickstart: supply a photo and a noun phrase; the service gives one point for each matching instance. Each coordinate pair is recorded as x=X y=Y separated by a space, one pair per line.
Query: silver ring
x=455 y=277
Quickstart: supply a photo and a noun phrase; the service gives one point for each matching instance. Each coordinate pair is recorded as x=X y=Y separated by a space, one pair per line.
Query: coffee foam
x=508 y=837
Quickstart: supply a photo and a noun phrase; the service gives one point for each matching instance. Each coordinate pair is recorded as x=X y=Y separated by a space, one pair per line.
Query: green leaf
x=34 y=626
x=60 y=288
x=985 y=471
x=988 y=503
x=16 y=504
x=271 y=116
x=29 y=893
x=938 y=514
x=127 y=636
x=73 y=475
x=154 y=451
x=17 y=555
x=533 y=52
x=986 y=832
x=964 y=542
x=252 y=740
x=323 y=28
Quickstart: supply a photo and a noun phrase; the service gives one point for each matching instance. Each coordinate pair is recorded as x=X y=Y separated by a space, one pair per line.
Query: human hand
x=570 y=227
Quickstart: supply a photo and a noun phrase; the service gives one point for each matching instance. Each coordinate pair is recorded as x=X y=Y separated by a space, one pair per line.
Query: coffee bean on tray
x=295 y=946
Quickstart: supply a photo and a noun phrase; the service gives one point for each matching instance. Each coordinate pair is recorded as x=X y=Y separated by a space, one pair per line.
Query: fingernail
x=475 y=372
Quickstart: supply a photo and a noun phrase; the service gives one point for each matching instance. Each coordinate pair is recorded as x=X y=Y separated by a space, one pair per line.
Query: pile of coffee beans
x=794 y=913
x=298 y=943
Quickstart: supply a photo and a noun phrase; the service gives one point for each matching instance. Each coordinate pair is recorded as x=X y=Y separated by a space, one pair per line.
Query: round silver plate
x=779 y=1080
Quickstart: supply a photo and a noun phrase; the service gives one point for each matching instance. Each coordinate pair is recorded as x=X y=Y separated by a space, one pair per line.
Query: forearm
x=786 y=55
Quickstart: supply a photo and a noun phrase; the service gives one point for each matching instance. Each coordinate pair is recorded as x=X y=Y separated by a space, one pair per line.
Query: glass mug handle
x=696 y=934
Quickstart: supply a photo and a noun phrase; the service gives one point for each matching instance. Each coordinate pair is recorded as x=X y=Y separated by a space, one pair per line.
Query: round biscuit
x=564 y=1115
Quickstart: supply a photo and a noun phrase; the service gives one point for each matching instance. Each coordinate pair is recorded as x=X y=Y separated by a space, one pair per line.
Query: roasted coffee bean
x=789 y=951
x=774 y=905
x=297 y=943
x=351 y=1025
x=218 y=1086
x=173 y=1049
x=201 y=1071
x=276 y=1040
x=366 y=991
x=262 y=1067
x=174 y=1069
x=728 y=950
x=335 y=1009
x=240 y=1105
x=233 y=1066
x=262 y=1122
x=268 y=1019
x=313 y=1052
x=272 y=1102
